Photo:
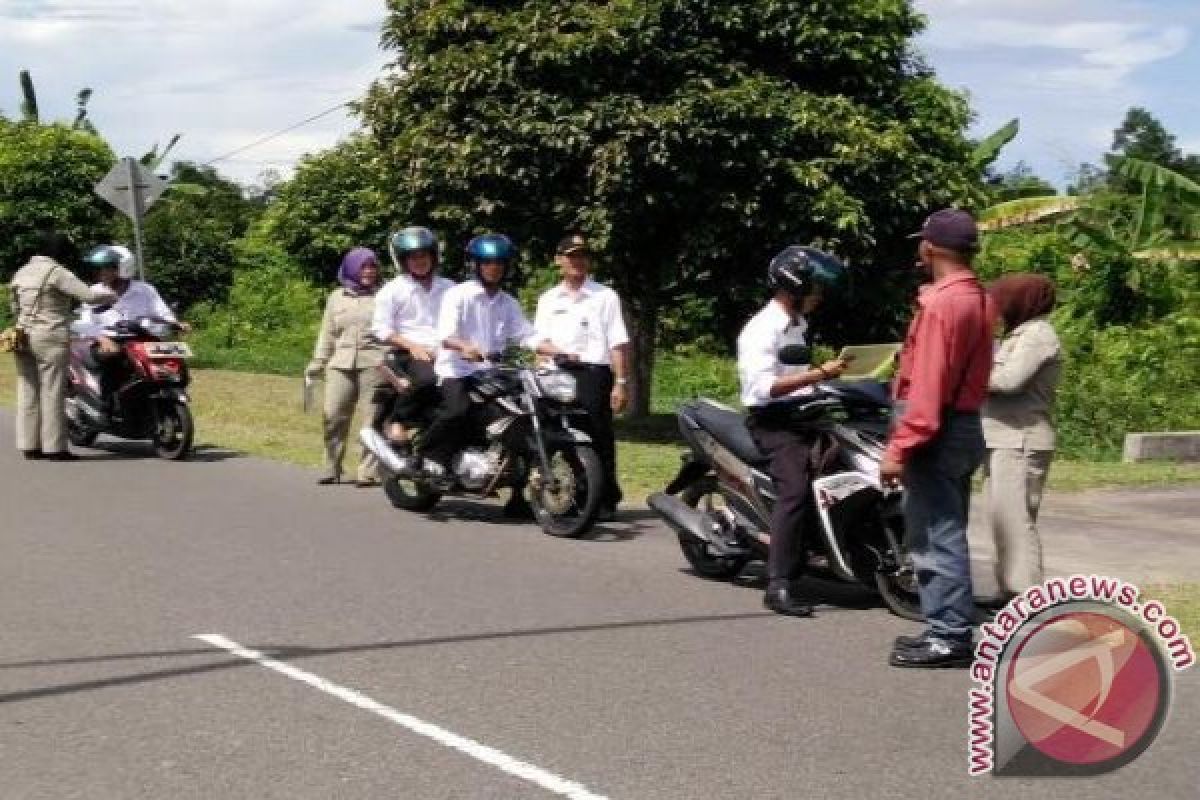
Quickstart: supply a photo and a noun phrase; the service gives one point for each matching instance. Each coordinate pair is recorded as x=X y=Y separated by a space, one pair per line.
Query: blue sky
x=226 y=72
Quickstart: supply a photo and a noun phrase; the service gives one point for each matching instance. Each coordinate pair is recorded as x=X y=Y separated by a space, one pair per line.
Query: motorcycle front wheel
x=173 y=431
x=567 y=506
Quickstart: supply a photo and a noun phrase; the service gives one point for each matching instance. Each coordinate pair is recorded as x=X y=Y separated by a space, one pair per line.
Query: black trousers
x=594 y=385
x=790 y=454
x=445 y=435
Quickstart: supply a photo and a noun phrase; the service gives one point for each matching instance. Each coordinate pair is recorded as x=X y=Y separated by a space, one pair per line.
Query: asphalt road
x=600 y=663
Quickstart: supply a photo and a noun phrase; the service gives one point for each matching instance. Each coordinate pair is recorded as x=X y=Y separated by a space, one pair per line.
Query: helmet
x=491 y=247
x=127 y=269
x=113 y=257
x=412 y=240
x=796 y=269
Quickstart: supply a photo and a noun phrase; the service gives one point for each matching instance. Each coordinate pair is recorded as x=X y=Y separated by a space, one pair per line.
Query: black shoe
x=33 y=455
x=65 y=455
x=330 y=480
x=607 y=514
x=783 y=601
x=908 y=642
x=935 y=653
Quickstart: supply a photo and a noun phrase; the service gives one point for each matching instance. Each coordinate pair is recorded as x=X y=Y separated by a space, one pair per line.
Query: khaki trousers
x=344 y=390
x=1013 y=481
x=41 y=394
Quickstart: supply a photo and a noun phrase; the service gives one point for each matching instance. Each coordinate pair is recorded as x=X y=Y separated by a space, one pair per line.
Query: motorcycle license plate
x=168 y=350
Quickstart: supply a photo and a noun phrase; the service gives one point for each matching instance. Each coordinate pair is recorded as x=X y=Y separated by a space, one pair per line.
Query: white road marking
x=481 y=752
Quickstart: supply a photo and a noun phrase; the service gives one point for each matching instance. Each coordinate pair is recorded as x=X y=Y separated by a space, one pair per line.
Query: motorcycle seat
x=861 y=394
x=729 y=428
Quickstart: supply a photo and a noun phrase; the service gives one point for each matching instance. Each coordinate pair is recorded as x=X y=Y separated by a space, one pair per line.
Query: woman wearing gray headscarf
x=348 y=356
x=43 y=292
x=1018 y=426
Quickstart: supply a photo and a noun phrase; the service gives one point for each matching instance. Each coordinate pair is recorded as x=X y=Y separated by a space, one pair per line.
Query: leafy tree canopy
x=691 y=138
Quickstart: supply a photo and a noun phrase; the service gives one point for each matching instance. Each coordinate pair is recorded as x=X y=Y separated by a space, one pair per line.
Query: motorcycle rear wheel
x=174 y=431
x=409 y=495
x=571 y=511
x=707 y=565
x=79 y=435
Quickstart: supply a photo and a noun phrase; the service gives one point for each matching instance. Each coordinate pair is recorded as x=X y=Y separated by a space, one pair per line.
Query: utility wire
x=277 y=134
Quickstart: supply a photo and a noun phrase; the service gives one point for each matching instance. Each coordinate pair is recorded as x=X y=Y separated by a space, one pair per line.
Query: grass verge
x=261 y=415
x=1182 y=601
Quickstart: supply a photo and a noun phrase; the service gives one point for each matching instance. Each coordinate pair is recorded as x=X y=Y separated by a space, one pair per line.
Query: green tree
x=690 y=138
x=333 y=203
x=46 y=177
x=1017 y=182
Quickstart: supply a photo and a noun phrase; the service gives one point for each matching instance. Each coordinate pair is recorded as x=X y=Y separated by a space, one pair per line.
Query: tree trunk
x=643 y=332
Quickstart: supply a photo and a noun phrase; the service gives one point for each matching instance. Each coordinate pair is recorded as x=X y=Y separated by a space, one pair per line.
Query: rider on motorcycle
x=114 y=267
x=798 y=278
x=477 y=319
x=406 y=317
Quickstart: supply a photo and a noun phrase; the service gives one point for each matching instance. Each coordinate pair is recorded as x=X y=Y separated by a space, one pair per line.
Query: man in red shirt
x=937 y=439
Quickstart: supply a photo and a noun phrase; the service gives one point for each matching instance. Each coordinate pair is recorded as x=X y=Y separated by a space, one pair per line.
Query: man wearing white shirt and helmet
x=115 y=268
x=406 y=313
x=477 y=319
x=583 y=318
x=798 y=278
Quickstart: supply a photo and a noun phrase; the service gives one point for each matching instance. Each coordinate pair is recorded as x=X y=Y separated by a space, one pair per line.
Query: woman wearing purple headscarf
x=347 y=356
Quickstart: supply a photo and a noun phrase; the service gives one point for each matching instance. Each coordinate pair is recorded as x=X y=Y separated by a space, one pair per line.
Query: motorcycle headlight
x=558 y=386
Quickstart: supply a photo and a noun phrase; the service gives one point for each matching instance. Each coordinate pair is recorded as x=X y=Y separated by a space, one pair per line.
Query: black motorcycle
x=720 y=503
x=523 y=435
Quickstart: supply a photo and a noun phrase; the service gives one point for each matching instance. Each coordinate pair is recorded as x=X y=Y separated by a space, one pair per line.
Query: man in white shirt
x=115 y=267
x=797 y=277
x=406 y=315
x=582 y=317
x=477 y=319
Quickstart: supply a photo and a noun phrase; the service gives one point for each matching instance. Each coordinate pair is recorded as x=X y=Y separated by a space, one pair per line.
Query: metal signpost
x=131 y=188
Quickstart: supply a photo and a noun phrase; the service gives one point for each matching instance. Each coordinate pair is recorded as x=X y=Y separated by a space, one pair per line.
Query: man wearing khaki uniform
x=43 y=292
x=348 y=356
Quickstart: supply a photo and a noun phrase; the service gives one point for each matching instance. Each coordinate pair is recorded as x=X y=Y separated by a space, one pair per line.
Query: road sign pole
x=138 y=212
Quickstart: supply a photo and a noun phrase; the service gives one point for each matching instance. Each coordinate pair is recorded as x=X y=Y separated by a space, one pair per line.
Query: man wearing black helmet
x=477 y=319
x=798 y=278
x=406 y=314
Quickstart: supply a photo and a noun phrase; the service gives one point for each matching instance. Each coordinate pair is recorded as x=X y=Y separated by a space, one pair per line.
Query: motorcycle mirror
x=795 y=355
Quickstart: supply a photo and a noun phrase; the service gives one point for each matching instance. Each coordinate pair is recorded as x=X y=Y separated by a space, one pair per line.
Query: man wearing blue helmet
x=798 y=278
x=477 y=319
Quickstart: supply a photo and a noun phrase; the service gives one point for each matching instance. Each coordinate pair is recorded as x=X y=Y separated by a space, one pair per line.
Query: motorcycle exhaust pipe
x=688 y=521
x=379 y=447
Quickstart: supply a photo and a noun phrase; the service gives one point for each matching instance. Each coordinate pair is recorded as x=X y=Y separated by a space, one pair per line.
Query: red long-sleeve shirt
x=946 y=360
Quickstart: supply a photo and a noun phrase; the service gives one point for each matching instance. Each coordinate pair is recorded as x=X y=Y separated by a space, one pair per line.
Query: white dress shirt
x=490 y=322
x=587 y=323
x=758 y=354
x=404 y=307
x=139 y=300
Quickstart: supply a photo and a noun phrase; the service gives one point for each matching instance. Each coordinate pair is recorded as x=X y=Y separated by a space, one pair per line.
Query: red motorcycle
x=138 y=393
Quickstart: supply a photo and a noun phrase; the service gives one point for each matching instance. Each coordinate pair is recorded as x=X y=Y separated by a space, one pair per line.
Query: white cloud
x=1068 y=69
x=222 y=72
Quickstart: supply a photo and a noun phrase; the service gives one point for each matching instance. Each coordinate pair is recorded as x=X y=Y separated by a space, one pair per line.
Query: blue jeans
x=937 y=501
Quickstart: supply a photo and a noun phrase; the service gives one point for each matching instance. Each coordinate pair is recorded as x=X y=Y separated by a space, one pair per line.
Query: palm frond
x=29 y=103
x=1027 y=210
x=1170 y=251
x=1154 y=175
x=988 y=150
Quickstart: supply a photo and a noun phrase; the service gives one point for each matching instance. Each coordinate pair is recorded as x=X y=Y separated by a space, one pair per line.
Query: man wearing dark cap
x=937 y=437
x=582 y=317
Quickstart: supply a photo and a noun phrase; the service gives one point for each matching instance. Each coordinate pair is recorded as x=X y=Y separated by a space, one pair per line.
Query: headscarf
x=1022 y=296
x=350 y=273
